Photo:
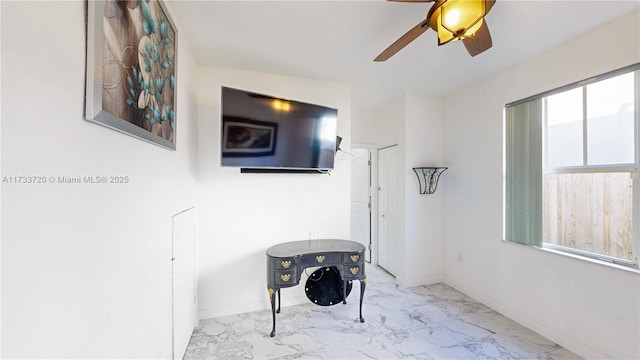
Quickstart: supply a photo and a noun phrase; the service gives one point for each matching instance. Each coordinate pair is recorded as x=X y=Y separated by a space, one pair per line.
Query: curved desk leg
x=272 y=298
x=279 y=302
x=363 y=285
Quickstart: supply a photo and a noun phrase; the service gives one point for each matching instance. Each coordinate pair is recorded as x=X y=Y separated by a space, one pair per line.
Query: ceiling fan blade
x=403 y=41
x=480 y=42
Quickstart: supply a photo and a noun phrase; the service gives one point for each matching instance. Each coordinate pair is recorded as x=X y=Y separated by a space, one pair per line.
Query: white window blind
x=523 y=165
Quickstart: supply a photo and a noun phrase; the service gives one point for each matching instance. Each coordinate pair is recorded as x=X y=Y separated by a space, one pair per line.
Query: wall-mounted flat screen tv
x=266 y=132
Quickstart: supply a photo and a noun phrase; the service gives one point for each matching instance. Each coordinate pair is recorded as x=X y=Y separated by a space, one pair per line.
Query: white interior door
x=183 y=281
x=361 y=199
x=387 y=208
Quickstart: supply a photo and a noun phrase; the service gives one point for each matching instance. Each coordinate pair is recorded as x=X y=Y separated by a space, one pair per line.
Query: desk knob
x=355 y=258
x=320 y=259
x=285 y=277
x=354 y=270
x=285 y=263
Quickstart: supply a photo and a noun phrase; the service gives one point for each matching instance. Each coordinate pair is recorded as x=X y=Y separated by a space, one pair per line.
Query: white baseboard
x=229 y=310
x=532 y=324
x=419 y=282
x=209 y=313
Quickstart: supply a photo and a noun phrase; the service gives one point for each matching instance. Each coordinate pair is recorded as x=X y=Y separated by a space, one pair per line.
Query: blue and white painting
x=139 y=68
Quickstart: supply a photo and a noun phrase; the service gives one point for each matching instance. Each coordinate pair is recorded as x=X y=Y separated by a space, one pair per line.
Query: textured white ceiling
x=337 y=40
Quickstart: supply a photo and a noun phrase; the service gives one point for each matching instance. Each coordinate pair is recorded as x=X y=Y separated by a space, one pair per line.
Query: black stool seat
x=325 y=287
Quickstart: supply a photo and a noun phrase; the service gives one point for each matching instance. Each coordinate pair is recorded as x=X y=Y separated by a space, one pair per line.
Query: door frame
x=377 y=206
x=375 y=209
x=193 y=263
x=373 y=212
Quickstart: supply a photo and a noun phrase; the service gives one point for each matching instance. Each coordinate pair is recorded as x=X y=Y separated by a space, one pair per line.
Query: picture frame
x=131 y=69
x=247 y=138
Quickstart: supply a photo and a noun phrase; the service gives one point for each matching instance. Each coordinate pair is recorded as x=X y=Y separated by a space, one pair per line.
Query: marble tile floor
x=425 y=322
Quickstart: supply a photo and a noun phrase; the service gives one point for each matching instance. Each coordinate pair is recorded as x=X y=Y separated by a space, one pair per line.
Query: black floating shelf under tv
x=282 y=171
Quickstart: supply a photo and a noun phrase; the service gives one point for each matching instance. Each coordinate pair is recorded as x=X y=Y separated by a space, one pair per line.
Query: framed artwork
x=131 y=69
x=244 y=137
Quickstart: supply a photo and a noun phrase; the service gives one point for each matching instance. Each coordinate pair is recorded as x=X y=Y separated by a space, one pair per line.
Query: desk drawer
x=354 y=271
x=353 y=259
x=321 y=260
x=284 y=278
x=285 y=263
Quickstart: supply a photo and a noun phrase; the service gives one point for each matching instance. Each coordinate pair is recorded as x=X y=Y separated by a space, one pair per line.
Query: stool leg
x=279 y=302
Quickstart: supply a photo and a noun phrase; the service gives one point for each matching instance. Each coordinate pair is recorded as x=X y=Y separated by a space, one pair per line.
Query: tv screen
x=262 y=131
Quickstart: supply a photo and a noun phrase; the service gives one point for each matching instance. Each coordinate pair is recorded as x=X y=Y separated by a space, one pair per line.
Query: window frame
x=633 y=169
x=585 y=167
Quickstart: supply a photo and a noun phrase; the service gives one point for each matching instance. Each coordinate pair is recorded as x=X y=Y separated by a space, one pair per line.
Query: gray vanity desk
x=286 y=261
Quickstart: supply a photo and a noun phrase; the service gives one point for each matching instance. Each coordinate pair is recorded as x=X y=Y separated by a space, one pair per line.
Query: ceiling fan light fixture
x=451 y=20
x=457 y=19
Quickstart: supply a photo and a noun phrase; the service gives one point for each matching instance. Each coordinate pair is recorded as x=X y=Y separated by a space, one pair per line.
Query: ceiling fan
x=452 y=20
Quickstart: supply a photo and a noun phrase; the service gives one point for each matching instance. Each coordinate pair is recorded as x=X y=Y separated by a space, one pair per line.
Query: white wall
x=414 y=123
x=86 y=270
x=591 y=309
x=363 y=126
x=1 y=191
x=241 y=215
x=424 y=213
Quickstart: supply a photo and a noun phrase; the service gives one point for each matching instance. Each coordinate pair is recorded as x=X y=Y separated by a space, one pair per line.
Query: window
x=571 y=168
x=591 y=125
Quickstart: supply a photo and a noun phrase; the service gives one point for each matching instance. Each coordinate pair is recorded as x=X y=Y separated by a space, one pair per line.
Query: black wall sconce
x=428 y=178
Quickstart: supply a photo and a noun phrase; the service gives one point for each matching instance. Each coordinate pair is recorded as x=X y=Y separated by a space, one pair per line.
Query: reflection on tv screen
x=261 y=131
